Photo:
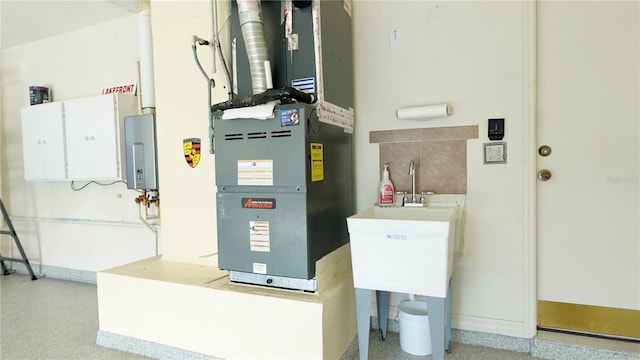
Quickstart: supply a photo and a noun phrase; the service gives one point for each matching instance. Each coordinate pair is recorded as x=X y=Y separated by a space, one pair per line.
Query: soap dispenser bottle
x=385 y=190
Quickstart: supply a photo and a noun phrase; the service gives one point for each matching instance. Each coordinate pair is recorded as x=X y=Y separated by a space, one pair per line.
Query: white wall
x=188 y=194
x=98 y=227
x=470 y=55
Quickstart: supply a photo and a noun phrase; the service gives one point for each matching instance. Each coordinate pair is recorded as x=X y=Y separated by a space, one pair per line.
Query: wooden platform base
x=195 y=308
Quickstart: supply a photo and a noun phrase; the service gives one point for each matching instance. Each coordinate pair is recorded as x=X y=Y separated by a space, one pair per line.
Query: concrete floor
x=50 y=319
x=56 y=319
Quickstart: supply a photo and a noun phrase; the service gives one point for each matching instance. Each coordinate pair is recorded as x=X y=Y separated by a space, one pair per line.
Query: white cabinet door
x=43 y=144
x=92 y=138
x=79 y=139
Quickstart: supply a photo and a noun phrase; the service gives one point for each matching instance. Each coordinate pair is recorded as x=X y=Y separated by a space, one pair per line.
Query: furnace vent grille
x=233 y=136
x=281 y=133
x=258 y=135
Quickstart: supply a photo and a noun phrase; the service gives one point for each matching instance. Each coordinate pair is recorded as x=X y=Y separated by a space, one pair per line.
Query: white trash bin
x=415 y=336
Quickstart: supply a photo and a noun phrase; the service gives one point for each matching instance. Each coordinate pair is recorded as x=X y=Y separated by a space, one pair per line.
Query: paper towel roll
x=423 y=112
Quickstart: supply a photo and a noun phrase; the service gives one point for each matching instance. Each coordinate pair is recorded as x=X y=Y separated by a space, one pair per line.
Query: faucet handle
x=400 y=198
x=423 y=195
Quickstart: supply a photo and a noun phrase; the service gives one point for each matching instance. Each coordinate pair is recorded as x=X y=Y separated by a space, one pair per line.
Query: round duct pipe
x=145 y=40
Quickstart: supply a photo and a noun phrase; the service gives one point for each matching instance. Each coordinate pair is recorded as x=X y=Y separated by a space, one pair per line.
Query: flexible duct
x=252 y=28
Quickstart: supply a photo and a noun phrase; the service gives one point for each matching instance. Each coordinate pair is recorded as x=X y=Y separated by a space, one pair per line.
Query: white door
x=588 y=210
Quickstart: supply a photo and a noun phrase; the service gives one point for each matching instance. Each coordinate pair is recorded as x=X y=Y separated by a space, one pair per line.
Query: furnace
x=284 y=191
x=283 y=143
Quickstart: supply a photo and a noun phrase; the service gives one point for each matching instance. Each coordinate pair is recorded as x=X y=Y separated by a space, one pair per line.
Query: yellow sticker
x=317 y=162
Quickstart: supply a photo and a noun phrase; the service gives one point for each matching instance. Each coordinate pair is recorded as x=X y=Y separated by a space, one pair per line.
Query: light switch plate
x=395 y=40
x=495 y=153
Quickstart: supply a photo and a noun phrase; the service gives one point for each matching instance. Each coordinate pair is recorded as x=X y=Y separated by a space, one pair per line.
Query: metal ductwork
x=252 y=28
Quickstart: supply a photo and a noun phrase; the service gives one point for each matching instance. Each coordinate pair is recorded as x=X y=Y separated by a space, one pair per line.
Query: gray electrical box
x=285 y=189
x=141 y=152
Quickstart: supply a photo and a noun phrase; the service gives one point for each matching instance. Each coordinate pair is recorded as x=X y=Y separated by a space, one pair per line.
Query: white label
x=259 y=268
x=259 y=236
x=334 y=114
x=396 y=237
x=394 y=39
x=255 y=172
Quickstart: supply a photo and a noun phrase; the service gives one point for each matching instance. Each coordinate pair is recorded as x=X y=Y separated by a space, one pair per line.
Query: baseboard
x=507 y=328
x=146 y=348
x=544 y=345
x=55 y=272
x=496 y=341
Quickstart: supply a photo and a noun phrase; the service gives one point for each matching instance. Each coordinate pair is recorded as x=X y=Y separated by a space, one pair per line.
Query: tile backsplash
x=440 y=156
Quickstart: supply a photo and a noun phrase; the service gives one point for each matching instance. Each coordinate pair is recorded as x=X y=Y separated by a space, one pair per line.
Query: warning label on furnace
x=259 y=236
x=255 y=172
x=317 y=162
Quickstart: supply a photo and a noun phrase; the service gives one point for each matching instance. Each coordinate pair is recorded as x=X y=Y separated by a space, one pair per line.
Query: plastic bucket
x=415 y=336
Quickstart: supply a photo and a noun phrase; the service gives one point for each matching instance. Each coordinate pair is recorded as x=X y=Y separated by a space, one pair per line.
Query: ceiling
x=24 y=21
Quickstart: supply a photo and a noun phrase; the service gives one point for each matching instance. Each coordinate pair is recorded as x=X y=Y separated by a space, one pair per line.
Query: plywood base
x=195 y=308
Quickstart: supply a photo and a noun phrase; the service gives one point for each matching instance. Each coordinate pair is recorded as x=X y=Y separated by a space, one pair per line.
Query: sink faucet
x=412 y=172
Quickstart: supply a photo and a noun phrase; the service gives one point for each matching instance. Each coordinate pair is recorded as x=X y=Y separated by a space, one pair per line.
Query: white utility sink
x=404 y=249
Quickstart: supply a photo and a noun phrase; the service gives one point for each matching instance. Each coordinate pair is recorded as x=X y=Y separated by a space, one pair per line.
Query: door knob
x=544 y=150
x=544 y=175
